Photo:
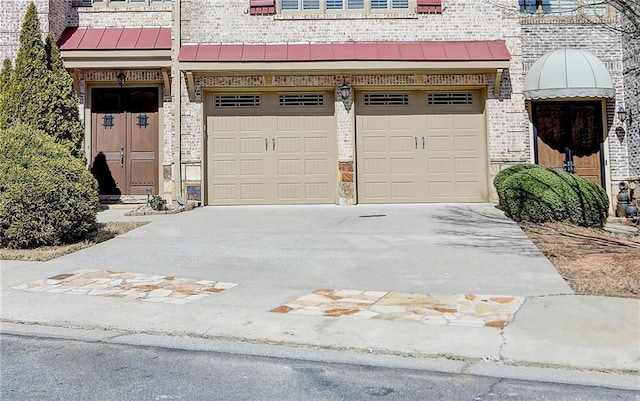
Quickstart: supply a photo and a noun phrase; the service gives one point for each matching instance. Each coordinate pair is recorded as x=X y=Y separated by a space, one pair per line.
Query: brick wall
x=631 y=71
x=11 y=17
x=59 y=11
x=124 y=15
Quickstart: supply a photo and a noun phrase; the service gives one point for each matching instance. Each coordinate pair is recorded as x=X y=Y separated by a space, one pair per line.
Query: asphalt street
x=46 y=369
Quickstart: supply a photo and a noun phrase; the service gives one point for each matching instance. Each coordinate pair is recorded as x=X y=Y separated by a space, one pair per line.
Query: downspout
x=177 y=101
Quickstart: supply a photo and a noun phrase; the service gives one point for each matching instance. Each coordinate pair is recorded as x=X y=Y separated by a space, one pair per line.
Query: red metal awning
x=480 y=50
x=116 y=47
x=150 y=38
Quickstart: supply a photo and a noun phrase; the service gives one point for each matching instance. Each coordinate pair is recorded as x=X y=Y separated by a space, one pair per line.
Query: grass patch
x=105 y=232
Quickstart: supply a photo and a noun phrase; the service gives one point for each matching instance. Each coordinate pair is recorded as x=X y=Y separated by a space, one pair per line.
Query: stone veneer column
x=346 y=139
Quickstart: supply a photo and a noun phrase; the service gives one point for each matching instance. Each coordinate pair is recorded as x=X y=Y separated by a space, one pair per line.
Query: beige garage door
x=421 y=147
x=271 y=148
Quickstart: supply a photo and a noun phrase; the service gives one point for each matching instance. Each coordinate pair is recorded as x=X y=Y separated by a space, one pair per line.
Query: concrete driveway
x=432 y=248
x=270 y=258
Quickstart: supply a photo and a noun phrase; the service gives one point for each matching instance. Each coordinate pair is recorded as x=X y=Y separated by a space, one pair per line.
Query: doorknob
x=121 y=157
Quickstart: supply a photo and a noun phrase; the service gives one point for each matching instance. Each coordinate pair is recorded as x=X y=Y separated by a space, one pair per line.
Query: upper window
x=107 y=2
x=344 y=5
x=564 y=7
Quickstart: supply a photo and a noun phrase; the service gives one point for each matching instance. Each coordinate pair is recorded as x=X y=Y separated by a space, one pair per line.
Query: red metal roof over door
x=150 y=38
x=480 y=50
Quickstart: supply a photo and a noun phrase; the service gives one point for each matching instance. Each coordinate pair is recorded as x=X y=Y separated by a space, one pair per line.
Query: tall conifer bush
x=47 y=195
x=5 y=73
x=39 y=91
x=25 y=98
x=63 y=118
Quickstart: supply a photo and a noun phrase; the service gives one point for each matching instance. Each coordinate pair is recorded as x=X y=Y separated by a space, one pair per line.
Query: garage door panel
x=467 y=190
x=268 y=149
x=402 y=143
x=252 y=191
x=251 y=145
x=225 y=145
x=400 y=123
x=375 y=123
x=438 y=143
x=289 y=145
x=290 y=191
x=317 y=190
x=404 y=166
x=441 y=190
x=226 y=167
x=412 y=152
x=226 y=192
x=439 y=165
x=375 y=166
x=464 y=121
x=467 y=165
x=373 y=144
x=289 y=166
x=373 y=191
x=468 y=143
x=316 y=144
x=289 y=124
x=252 y=168
x=312 y=124
x=403 y=190
x=315 y=167
x=435 y=123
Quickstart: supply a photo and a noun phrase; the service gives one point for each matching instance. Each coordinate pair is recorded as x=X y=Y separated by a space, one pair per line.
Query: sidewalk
x=452 y=288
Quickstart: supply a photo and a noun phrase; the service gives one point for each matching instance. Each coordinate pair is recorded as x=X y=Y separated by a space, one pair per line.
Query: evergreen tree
x=5 y=74
x=63 y=117
x=24 y=99
x=39 y=92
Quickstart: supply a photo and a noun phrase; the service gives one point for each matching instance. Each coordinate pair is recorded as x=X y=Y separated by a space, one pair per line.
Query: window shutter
x=262 y=7
x=429 y=7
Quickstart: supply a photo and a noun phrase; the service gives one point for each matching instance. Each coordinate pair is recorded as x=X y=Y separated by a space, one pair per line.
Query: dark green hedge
x=539 y=194
x=47 y=196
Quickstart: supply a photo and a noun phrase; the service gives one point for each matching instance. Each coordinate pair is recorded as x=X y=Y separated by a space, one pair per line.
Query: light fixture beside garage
x=345 y=94
x=345 y=90
x=122 y=79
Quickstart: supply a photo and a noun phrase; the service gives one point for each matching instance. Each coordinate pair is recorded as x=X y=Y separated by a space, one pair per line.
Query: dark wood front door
x=569 y=136
x=588 y=167
x=124 y=149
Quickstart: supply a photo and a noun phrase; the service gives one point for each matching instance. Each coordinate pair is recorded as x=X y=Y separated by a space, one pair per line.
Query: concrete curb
x=310 y=352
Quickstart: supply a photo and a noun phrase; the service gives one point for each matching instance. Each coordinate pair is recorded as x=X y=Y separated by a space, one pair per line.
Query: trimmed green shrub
x=506 y=173
x=539 y=194
x=47 y=196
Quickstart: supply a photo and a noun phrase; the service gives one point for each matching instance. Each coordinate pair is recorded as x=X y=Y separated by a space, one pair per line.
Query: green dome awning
x=568 y=73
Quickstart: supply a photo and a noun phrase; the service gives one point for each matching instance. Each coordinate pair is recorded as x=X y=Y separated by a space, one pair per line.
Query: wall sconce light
x=345 y=90
x=622 y=114
x=122 y=79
